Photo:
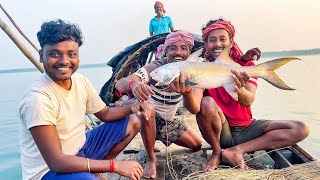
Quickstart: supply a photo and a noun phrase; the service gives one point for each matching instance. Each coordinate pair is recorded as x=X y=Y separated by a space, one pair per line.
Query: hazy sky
x=110 y=26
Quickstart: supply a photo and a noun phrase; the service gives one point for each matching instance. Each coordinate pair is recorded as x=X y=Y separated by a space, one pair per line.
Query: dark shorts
x=231 y=136
x=169 y=131
x=98 y=143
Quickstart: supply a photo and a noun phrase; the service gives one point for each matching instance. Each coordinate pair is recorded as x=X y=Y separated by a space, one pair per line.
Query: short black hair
x=53 y=32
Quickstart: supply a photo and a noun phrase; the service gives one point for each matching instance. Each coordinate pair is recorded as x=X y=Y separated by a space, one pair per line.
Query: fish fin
x=230 y=90
x=269 y=75
x=195 y=56
x=190 y=83
x=224 y=57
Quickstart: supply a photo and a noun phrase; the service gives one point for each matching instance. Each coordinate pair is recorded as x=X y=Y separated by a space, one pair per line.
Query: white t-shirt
x=46 y=103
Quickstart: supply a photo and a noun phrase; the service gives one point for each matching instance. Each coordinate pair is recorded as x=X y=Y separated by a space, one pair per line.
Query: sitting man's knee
x=150 y=114
x=208 y=104
x=134 y=122
x=196 y=146
x=151 y=110
x=301 y=129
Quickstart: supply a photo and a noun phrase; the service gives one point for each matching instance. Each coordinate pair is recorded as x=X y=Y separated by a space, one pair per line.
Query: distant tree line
x=292 y=53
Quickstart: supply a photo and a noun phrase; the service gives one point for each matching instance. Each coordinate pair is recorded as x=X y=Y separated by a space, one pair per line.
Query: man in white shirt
x=54 y=144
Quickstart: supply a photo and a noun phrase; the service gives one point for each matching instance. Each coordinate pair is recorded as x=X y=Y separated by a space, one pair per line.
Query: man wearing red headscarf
x=227 y=123
x=166 y=99
x=160 y=23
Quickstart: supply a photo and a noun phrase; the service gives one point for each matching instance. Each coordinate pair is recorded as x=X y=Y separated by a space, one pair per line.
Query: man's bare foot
x=150 y=171
x=235 y=157
x=213 y=162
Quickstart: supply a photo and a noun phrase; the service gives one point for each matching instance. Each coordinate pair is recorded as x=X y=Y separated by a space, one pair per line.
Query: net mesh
x=304 y=171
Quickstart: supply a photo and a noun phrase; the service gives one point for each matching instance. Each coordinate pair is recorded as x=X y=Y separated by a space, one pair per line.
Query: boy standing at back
x=160 y=23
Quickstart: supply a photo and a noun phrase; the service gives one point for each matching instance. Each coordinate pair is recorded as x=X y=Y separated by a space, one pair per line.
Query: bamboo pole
x=19 y=44
x=17 y=27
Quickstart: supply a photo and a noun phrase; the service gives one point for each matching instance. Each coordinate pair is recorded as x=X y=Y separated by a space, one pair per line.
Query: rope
x=304 y=171
x=172 y=172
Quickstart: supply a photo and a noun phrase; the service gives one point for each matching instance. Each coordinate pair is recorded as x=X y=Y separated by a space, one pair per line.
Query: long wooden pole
x=17 y=27
x=19 y=44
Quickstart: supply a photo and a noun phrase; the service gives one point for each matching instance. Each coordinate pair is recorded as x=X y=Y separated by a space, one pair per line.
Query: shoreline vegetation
x=308 y=52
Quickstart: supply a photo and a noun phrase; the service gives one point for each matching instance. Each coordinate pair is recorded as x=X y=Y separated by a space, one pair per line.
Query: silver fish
x=218 y=73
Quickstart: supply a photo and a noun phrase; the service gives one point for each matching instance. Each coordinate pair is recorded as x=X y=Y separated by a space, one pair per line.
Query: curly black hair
x=53 y=32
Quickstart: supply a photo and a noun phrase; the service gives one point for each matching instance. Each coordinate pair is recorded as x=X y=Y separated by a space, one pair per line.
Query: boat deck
x=182 y=161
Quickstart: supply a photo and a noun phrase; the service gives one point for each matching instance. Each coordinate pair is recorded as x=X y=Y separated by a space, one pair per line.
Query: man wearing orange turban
x=166 y=99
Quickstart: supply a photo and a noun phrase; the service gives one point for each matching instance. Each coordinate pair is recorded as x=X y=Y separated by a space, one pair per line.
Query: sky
x=110 y=26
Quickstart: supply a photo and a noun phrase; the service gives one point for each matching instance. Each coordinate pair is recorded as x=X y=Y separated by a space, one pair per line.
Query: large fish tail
x=269 y=75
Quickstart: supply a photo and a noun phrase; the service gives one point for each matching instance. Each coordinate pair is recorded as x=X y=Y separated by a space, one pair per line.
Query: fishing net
x=304 y=171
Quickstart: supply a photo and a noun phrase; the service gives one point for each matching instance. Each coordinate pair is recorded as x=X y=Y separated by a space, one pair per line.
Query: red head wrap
x=157 y=3
x=174 y=37
x=235 y=52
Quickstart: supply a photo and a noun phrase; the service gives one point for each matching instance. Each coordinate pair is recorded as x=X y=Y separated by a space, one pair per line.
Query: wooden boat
x=177 y=162
x=131 y=59
x=183 y=160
